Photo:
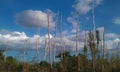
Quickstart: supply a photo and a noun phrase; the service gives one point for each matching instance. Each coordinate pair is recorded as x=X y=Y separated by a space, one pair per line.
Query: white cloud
x=12 y=39
x=65 y=32
x=81 y=7
x=117 y=21
x=72 y=21
x=14 y=35
x=84 y=6
x=46 y=36
x=73 y=31
x=17 y=39
x=112 y=44
x=34 y=19
x=111 y=36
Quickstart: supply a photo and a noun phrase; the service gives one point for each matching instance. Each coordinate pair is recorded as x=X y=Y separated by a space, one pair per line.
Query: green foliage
x=68 y=64
x=97 y=36
x=44 y=64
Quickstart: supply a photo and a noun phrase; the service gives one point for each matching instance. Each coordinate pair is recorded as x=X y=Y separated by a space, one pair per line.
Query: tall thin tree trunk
x=49 y=46
x=6 y=50
x=46 y=48
x=61 y=38
x=104 y=43
x=24 y=49
x=54 y=48
x=94 y=32
x=37 y=40
x=118 y=49
x=37 y=48
x=93 y=20
x=64 y=48
x=77 y=27
x=92 y=48
x=86 y=38
x=55 y=37
x=78 y=59
x=24 y=53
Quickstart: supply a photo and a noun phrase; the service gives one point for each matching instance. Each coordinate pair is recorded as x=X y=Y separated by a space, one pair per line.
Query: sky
x=21 y=20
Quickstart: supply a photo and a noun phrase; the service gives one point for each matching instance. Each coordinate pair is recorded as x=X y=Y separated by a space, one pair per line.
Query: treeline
x=67 y=64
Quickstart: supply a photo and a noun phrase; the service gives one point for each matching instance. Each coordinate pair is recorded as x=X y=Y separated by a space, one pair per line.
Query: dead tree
x=24 y=50
x=55 y=36
x=78 y=59
x=64 y=48
x=6 y=50
x=77 y=28
x=92 y=49
x=48 y=31
x=37 y=49
x=61 y=37
x=118 y=49
x=85 y=46
x=46 y=48
x=104 y=43
x=93 y=20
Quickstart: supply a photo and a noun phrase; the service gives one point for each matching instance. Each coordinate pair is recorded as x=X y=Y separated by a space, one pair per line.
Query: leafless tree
x=46 y=48
x=77 y=28
x=49 y=46
x=6 y=49
x=55 y=37
x=61 y=45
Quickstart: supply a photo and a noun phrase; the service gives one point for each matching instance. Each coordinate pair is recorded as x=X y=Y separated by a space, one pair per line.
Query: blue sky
x=10 y=7
x=14 y=17
x=104 y=13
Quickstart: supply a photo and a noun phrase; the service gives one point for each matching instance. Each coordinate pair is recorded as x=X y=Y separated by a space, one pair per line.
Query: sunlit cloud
x=117 y=21
x=34 y=19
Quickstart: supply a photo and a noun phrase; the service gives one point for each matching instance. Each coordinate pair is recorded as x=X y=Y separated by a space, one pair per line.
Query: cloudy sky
x=21 y=20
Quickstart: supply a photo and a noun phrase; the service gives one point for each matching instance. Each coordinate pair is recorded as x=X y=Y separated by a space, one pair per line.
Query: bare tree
x=24 y=49
x=64 y=48
x=77 y=28
x=78 y=59
x=104 y=43
x=6 y=49
x=93 y=20
x=85 y=46
x=118 y=49
x=46 y=48
x=55 y=36
x=37 y=48
x=92 y=49
x=61 y=45
x=49 y=46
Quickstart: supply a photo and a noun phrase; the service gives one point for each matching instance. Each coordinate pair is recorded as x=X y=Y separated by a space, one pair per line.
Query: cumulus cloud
x=72 y=21
x=34 y=19
x=16 y=41
x=12 y=39
x=81 y=7
x=14 y=35
x=111 y=36
x=84 y=6
x=117 y=21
